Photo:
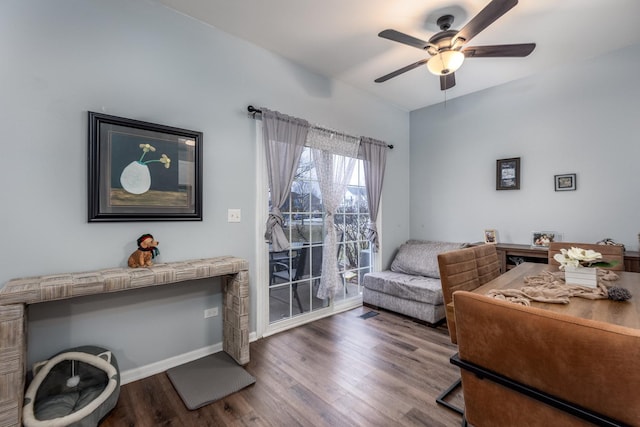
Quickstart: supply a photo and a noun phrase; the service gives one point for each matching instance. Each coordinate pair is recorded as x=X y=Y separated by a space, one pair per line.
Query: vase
x=581 y=276
x=135 y=178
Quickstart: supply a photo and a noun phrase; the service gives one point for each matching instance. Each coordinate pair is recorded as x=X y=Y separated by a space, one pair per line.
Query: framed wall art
x=566 y=182
x=140 y=171
x=508 y=174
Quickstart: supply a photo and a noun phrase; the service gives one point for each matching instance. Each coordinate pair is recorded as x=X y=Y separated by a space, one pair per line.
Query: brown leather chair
x=464 y=269
x=488 y=263
x=458 y=271
x=609 y=252
x=529 y=366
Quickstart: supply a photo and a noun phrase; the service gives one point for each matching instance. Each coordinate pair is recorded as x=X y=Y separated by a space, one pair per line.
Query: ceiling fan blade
x=399 y=37
x=501 y=50
x=448 y=81
x=400 y=71
x=484 y=18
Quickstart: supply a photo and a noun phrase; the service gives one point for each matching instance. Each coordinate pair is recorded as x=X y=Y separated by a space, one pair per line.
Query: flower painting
x=136 y=177
x=140 y=170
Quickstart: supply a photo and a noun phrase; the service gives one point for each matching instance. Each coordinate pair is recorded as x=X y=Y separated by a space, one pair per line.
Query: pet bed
x=77 y=387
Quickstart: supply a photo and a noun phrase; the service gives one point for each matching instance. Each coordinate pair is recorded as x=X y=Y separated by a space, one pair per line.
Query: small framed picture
x=542 y=239
x=566 y=182
x=490 y=237
x=508 y=174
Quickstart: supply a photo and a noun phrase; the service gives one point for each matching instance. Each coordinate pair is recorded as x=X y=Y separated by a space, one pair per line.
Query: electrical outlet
x=211 y=312
x=233 y=215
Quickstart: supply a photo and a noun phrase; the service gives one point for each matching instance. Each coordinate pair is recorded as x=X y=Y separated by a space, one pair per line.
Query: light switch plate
x=233 y=215
x=211 y=312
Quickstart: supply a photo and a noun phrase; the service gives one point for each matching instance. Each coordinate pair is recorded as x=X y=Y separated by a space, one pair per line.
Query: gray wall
x=579 y=119
x=137 y=59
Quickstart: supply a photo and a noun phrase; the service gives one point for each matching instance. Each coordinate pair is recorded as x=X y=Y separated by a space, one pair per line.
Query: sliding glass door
x=294 y=274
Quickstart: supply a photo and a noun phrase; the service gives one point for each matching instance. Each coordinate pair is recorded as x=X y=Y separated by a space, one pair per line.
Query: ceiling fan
x=446 y=47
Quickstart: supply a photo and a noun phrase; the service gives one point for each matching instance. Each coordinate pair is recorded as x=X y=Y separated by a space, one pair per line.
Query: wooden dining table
x=623 y=313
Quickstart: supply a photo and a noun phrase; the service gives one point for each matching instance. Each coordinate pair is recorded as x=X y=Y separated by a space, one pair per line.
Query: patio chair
x=303 y=267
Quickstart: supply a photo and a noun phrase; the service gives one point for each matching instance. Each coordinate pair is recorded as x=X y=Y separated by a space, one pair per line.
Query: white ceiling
x=338 y=38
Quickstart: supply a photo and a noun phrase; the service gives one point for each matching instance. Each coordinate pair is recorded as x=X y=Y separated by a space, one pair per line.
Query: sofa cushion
x=420 y=257
x=418 y=310
x=417 y=288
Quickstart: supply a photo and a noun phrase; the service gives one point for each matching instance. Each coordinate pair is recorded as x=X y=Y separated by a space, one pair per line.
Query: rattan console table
x=18 y=293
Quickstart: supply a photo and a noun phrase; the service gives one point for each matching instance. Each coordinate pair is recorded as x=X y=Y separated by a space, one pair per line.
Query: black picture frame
x=508 y=174
x=565 y=182
x=141 y=171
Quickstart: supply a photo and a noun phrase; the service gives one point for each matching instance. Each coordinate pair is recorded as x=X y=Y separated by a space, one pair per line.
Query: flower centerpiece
x=580 y=265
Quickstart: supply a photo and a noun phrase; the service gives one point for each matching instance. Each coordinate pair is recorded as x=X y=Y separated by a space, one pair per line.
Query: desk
x=507 y=252
x=625 y=313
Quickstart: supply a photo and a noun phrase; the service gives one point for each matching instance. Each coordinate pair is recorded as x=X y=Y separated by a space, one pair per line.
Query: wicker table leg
x=235 y=320
x=13 y=348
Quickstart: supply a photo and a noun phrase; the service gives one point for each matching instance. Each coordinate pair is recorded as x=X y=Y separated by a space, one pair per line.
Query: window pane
x=306 y=165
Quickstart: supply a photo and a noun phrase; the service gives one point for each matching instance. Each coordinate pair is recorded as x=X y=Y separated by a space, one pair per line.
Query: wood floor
x=339 y=371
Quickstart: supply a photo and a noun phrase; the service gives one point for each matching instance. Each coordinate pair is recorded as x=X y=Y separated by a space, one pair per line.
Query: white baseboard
x=154 y=368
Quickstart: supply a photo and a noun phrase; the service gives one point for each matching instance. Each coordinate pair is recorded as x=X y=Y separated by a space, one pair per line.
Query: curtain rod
x=253 y=110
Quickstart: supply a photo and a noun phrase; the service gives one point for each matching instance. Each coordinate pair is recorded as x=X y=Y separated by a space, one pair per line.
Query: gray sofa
x=412 y=284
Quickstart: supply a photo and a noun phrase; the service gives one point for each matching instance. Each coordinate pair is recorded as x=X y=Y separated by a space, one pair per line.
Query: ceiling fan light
x=445 y=62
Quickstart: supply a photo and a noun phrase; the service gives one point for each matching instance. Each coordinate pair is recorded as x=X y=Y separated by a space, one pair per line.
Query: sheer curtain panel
x=374 y=155
x=284 y=140
x=334 y=157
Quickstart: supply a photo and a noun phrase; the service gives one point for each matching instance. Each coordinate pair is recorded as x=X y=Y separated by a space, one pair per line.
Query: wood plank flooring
x=339 y=371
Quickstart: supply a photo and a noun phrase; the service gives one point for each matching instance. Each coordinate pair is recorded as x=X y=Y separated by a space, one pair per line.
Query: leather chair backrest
x=609 y=252
x=487 y=263
x=465 y=269
x=588 y=363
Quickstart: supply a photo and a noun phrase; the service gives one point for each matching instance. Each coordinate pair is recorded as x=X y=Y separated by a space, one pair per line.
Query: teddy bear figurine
x=147 y=250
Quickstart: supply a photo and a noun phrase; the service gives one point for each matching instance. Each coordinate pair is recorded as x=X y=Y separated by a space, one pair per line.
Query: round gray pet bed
x=77 y=387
